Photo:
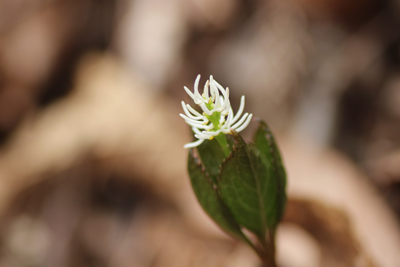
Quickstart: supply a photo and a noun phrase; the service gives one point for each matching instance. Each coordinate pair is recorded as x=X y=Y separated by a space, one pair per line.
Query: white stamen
x=241 y=108
x=197 y=117
x=189 y=92
x=195 y=130
x=194 y=144
x=205 y=91
x=196 y=88
x=197 y=122
x=240 y=121
x=244 y=125
x=193 y=110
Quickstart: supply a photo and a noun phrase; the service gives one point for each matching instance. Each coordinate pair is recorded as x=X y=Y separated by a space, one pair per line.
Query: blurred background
x=92 y=165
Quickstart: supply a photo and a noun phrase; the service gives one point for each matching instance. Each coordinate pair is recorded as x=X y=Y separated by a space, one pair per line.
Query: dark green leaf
x=248 y=187
x=242 y=185
x=266 y=144
x=209 y=199
x=211 y=155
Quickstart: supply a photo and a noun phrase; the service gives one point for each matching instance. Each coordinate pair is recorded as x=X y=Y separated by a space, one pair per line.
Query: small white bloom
x=217 y=114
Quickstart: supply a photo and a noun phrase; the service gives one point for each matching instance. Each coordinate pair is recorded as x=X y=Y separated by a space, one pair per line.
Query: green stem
x=223 y=143
x=268 y=259
x=267 y=252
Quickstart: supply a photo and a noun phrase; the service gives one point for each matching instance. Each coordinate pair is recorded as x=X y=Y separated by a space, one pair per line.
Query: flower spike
x=217 y=116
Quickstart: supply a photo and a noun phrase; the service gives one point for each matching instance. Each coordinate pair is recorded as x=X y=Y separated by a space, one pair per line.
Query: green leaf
x=248 y=187
x=212 y=156
x=209 y=199
x=265 y=143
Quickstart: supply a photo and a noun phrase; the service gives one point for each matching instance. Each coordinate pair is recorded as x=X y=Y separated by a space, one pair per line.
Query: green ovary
x=214 y=118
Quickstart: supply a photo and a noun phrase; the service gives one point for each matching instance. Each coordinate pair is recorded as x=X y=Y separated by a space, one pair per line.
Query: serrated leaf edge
x=271 y=140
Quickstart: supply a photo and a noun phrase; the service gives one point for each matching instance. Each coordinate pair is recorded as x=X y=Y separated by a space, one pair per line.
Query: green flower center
x=213 y=118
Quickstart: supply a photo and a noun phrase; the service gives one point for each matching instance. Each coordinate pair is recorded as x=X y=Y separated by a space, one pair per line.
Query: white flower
x=217 y=114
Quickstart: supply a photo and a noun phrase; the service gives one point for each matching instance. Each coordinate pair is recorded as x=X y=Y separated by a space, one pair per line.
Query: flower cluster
x=217 y=116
